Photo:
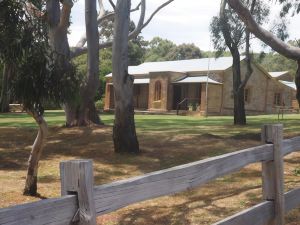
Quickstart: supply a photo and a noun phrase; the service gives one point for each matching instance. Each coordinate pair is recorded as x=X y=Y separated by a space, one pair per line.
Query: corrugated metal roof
x=184 y=66
x=200 y=79
x=278 y=74
x=289 y=84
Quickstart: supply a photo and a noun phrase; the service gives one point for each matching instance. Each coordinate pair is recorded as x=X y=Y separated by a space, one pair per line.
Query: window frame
x=277 y=101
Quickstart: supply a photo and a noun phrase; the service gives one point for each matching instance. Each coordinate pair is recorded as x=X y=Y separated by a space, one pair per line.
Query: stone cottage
x=205 y=86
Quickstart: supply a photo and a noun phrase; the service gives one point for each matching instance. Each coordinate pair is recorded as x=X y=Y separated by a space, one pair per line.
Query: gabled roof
x=278 y=74
x=184 y=66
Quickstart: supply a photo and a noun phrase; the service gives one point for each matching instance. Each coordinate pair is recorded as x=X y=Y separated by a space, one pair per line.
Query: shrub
x=99 y=104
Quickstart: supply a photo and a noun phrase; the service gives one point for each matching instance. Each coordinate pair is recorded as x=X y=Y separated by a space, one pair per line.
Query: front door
x=176 y=96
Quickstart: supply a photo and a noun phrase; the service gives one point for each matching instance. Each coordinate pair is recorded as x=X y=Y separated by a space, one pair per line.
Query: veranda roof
x=200 y=79
x=289 y=84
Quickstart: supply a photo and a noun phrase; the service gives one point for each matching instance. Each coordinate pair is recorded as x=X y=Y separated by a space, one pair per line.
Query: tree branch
x=65 y=14
x=225 y=28
x=33 y=10
x=101 y=17
x=264 y=35
x=156 y=11
x=80 y=49
x=101 y=8
x=248 y=56
x=112 y=4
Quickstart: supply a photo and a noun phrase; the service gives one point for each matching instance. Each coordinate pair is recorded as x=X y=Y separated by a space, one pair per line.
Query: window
x=277 y=99
x=157 y=91
x=247 y=95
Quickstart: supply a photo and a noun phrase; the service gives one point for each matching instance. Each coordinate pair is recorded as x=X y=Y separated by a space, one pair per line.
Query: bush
x=99 y=104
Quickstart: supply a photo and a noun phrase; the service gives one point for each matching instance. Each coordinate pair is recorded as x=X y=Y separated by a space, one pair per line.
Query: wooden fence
x=81 y=202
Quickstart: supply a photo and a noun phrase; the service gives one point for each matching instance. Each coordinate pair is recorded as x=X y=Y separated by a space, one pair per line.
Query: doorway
x=177 y=95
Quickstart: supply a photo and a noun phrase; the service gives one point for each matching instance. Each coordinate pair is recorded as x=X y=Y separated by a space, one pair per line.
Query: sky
x=182 y=21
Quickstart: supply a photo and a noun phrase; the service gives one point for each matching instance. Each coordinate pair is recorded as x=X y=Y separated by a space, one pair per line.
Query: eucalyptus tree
x=278 y=45
x=104 y=16
x=124 y=132
x=58 y=15
x=229 y=32
x=37 y=76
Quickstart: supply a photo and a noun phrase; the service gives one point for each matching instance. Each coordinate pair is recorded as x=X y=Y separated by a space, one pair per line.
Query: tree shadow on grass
x=159 y=150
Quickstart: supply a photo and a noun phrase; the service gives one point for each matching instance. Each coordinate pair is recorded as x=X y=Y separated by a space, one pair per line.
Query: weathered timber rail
x=81 y=201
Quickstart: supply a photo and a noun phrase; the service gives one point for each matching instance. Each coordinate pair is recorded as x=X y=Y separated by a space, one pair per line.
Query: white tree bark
x=124 y=134
x=92 y=83
x=35 y=155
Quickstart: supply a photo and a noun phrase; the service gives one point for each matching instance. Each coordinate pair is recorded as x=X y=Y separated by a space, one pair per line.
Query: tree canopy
x=165 y=50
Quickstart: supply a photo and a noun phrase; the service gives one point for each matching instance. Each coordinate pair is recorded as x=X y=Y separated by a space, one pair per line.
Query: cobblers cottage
x=204 y=85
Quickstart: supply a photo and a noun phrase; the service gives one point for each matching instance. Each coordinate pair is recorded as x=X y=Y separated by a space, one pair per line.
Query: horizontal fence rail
x=290 y=145
x=110 y=197
x=58 y=211
x=262 y=213
x=89 y=201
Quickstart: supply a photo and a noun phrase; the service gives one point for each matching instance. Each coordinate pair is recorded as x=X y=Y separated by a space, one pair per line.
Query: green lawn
x=216 y=125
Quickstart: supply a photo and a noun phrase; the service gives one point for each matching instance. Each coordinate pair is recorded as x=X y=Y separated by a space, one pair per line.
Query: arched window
x=157 y=91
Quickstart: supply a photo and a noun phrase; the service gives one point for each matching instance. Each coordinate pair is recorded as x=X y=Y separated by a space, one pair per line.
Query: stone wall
x=166 y=79
x=261 y=89
x=214 y=98
x=287 y=95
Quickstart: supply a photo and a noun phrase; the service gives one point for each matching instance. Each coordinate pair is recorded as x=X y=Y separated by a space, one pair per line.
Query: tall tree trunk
x=84 y=112
x=35 y=155
x=4 y=98
x=238 y=91
x=238 y=88
x=87 y=108
x=124 y=133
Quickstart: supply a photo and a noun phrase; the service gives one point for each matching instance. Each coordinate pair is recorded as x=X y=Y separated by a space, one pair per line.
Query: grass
x=165 y=141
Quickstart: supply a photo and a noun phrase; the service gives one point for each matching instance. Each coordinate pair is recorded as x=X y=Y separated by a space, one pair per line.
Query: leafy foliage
x=275 y=62
x=105 y=58
x=236 y=26
x=136 y=51
x=289 y=6
x=164 y=50
x=38 y=77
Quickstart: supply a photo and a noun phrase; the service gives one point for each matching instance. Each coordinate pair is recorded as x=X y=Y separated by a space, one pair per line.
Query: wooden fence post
x=77 y=178
x=272 y=172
